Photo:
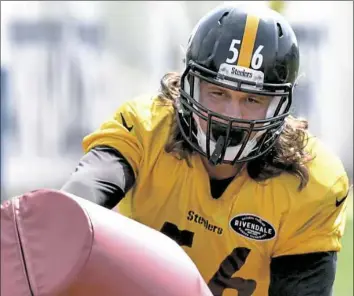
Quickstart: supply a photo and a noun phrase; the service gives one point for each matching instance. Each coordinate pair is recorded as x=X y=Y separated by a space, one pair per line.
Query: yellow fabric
x=167 y=190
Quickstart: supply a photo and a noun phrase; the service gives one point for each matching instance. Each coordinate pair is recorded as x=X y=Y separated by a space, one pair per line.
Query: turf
x=343 y=285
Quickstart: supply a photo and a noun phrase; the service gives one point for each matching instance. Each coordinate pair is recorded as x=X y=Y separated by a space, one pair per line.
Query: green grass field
x=344 y=278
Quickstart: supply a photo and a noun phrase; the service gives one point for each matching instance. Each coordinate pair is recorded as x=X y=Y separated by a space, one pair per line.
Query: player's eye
x=217 y=93
x=253 y=100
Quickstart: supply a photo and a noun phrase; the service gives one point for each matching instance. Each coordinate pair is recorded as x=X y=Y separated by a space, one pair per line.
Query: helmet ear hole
x=280 y=31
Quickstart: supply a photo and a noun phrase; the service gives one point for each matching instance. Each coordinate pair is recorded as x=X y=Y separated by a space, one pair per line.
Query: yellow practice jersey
x=233 y=238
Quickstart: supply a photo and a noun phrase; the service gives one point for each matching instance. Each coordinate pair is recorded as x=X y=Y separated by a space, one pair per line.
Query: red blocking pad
x=54 y=243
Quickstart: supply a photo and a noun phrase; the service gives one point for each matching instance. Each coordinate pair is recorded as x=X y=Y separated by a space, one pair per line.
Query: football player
x=216 y=162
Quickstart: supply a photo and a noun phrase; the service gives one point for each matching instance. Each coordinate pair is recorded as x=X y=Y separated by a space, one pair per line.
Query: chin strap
x=216 y=156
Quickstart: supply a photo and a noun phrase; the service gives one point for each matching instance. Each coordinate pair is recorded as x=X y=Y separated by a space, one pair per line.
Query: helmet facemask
x=227 y=139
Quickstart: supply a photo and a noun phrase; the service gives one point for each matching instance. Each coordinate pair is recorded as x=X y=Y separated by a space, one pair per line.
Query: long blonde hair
x=288 y=154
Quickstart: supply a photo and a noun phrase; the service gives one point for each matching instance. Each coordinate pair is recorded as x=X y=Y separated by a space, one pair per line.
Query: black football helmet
x=243 y=49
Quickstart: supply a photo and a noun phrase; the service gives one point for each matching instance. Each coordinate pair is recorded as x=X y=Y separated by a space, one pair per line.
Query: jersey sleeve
x=305 y=274
x=316 y=224
x=122 y=132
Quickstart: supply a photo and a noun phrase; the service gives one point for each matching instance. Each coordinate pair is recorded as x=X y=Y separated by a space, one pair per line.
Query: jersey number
x=222 y=279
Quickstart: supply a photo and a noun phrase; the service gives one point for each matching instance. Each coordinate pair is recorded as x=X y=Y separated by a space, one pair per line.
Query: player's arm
x=113 y=156
x=305 y=254
x=102 y=176
x=309 y=274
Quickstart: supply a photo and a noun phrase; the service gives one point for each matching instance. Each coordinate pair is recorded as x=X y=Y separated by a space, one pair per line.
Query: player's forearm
x=103 y=176
x=305 y=275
